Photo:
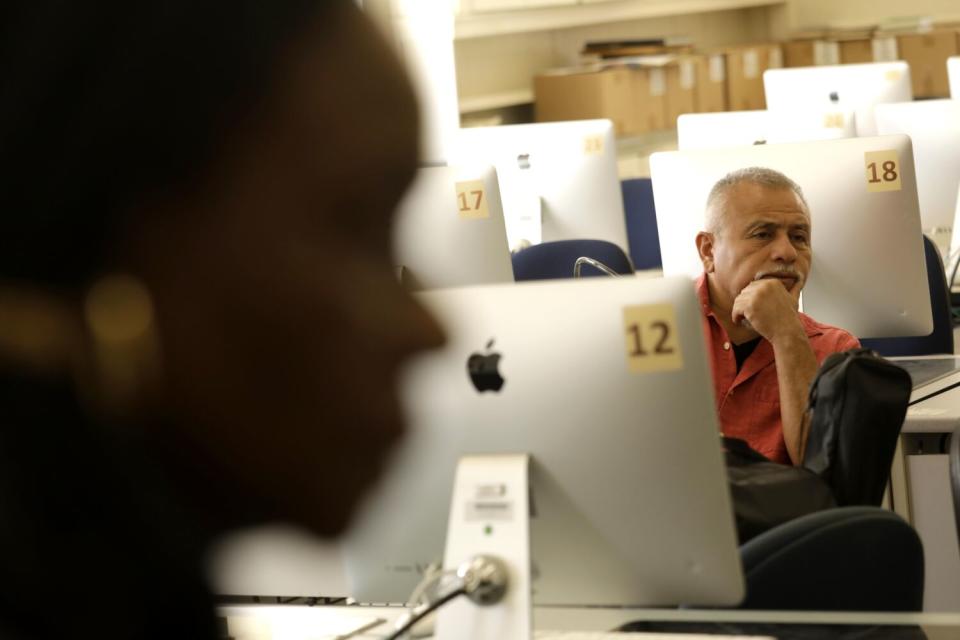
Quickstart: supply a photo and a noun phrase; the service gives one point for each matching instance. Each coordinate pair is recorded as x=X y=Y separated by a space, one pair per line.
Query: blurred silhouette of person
x=200 y=328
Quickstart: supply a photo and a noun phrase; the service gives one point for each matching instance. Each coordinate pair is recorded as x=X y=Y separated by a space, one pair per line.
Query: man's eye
x=761 y=234
x=800 y=239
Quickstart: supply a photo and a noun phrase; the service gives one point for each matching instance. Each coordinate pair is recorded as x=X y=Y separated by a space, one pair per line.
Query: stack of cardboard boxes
x=642 y=95
x=924 y=46
x=927 y=55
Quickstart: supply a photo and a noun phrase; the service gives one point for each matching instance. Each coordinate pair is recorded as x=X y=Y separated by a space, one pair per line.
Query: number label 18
x=883 y=170
x=651 y=338
x=472 y=200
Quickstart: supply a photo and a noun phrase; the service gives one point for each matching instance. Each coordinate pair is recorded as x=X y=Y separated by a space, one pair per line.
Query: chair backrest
x=553 y=260
x=941 y=339
x=843 y=559
x=641 y=216
x=955 y=475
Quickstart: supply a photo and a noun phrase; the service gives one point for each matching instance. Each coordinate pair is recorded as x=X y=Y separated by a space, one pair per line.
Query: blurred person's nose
x=415 y=329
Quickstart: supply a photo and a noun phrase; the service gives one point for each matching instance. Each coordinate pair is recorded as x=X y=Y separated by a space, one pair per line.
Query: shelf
x=472 y=104
x=564 y=17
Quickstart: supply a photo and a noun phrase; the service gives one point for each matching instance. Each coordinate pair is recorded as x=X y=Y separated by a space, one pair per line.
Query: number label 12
x=651 y=338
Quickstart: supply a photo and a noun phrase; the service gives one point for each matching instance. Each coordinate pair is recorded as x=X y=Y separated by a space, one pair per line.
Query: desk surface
x=250 y=622
x=939 y=414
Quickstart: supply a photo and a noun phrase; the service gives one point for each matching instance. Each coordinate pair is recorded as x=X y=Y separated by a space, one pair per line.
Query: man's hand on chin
x=770 y=308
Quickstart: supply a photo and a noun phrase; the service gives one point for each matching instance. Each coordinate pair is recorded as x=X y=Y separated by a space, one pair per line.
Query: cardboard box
x=885 y=48
x=856 y=51
x=927 y=55
x=798 y=53
x=681 y=90
x=649 y=99
x=585 y=94
x=745 y=67
x=711 y=91
x=633 y=98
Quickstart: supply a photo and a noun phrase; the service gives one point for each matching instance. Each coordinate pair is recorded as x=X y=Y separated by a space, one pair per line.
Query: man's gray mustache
x=780 y=271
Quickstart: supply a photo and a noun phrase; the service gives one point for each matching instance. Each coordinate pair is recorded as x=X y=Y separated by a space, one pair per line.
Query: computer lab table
x=920 y=489
x=259 y=622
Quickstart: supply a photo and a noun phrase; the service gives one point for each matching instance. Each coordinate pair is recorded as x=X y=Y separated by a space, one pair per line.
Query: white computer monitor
x=868 y=274
x=558 y=180
x=629 y=489
x=743 y=128
x=953 y=72
x=449 y=229
x=954 y=255
x=934 y=128
x=859 y=87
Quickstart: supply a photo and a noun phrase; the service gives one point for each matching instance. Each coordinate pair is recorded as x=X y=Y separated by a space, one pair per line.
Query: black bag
x=766 y=493
x=858 y=402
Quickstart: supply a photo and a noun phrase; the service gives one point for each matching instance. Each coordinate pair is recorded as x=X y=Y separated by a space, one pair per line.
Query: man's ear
x=705 y=249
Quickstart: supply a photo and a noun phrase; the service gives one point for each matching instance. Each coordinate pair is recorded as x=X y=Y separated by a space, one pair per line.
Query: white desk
x=315 y=623
x=921 y=493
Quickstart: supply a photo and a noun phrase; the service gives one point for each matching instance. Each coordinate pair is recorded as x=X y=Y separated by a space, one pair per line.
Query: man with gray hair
x=756 y=256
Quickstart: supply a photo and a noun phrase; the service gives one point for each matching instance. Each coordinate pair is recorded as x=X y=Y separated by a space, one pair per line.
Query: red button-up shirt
x=748 y=401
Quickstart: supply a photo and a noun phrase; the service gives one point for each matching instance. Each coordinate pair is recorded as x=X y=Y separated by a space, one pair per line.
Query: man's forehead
x=793 y=220
x=749 y=201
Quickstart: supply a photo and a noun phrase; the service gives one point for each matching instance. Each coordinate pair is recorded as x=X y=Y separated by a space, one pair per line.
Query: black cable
x=436 y=604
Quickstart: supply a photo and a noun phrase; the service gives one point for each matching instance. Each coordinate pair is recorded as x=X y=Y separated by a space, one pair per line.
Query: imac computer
x=558 y=180
x=869 y=273
x=605 y=383
x=449 y=229
x=858 y=87
x=934 y=128
x=953 y=72
x=952 y=261
x=743 y=128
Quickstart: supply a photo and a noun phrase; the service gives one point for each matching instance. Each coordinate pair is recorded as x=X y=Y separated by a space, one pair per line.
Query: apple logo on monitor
x=523 y=160
x=483 y=369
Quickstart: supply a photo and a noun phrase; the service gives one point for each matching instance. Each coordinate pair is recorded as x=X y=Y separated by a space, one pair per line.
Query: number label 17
x=472 y=200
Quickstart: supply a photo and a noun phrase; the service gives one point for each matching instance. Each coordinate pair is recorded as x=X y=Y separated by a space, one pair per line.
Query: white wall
x=855 y=13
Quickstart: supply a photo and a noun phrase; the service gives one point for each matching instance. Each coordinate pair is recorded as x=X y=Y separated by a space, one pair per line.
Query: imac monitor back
x=868 y=274
x=559 y=180
x=449 y=229
x=744 y=128
x=934 y=128
x=629 y=494
x=858 y=87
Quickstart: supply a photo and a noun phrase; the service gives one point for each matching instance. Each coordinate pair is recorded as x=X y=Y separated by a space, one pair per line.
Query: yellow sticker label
x=893 y=75
x=883 y=170
x=650 y=332
x=472 y=200
x=833 y=121
x=593 y=146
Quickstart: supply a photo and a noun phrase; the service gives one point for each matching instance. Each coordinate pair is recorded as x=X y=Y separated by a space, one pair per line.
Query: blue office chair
x=941 y=339
x=843 y=559
x=551 y=260
x=641 y=217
